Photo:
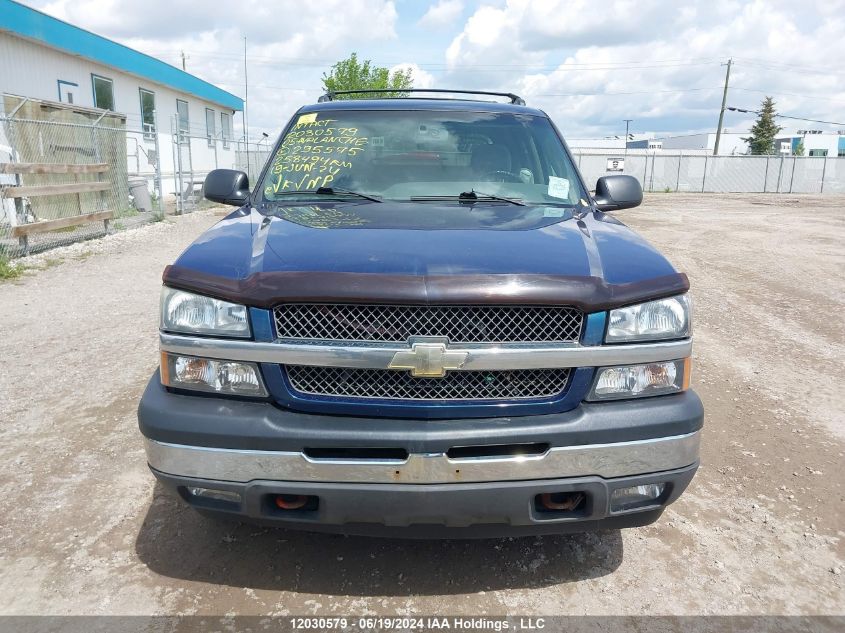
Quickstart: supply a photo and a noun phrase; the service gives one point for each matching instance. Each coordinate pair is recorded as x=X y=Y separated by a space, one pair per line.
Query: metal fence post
x=792 y=177
x=780 y=174
x=177 y=164
x=766 y=175
x=824 y=170
x=704 y=174
x=190 y=194
x=20 y=209
x=645 y=170
x=157 y=178
x=678 y=175
x=653 y=160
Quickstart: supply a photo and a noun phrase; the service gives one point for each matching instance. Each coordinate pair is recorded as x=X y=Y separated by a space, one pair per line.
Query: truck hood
x=423 y=252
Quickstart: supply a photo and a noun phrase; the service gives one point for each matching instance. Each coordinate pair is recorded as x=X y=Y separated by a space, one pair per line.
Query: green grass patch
x=52 y=262
x=9 y=270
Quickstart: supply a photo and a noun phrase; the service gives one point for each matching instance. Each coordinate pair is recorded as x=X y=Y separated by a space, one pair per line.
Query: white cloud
x=290 y=43
x=655 y=63
x=422 y=79
x=589 y=63
x=444 y=13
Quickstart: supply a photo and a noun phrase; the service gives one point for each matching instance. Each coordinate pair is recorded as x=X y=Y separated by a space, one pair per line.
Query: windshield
x=413 y=154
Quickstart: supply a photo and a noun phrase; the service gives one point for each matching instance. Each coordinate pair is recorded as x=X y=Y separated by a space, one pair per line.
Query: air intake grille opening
x=386 y=384
x=459 y=324
x=497 y=450
x=342 y=453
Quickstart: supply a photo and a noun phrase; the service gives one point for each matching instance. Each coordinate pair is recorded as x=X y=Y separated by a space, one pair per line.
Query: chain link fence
x=197 y=151
x=70 y=174
x=251 y=158
x=663 y=171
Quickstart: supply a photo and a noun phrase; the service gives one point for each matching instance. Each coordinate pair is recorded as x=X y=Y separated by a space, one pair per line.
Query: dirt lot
x=84 y=528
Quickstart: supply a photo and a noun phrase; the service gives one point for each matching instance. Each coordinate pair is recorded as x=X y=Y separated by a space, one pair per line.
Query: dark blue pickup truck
x=420 y=322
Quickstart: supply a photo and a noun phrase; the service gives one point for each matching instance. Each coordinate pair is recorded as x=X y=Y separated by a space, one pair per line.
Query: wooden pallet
x=23 y=231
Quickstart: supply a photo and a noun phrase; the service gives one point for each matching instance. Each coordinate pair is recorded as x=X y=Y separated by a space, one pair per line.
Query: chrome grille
x=387 y=384
x=397 y=323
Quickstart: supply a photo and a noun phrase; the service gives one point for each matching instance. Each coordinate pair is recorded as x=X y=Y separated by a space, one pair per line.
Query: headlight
x=207 y=374
x=195 y=314
x=655 y=320
x=638 y=381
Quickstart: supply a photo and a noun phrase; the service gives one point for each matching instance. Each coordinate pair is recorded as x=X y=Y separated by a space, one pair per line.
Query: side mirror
x=226 y=186
x=618 y=192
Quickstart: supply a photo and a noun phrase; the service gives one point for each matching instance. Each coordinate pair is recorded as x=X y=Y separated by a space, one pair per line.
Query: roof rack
x=515 y=99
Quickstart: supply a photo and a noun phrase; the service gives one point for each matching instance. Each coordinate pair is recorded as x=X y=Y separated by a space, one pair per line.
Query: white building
x=816 y=142
x=47 y=59
x=730 y=144
x=606 y=142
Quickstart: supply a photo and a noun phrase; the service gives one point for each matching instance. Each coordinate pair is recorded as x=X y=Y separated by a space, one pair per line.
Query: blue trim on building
x=28 y=23
x=62 y=82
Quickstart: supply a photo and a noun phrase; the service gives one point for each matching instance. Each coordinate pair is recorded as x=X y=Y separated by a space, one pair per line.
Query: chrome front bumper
x=604 y=460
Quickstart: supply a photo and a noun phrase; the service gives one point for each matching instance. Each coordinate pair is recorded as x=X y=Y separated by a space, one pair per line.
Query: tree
x=799 y=149
x=764 y=130
x=350 y=74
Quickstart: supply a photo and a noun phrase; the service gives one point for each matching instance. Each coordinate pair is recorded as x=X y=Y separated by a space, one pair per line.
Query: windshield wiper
x=329 y=191
x=470 y=196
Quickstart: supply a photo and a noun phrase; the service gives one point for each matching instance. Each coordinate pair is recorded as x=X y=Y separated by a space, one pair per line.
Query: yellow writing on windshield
x=313 y=154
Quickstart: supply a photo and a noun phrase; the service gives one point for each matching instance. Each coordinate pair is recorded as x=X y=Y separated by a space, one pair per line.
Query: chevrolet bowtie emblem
x=429 y=360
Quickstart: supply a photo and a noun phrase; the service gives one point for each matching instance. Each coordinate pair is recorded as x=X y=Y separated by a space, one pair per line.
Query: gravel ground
x=85 y=530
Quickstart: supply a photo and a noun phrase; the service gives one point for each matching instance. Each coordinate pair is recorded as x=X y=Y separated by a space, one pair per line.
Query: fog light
x=636 y=381
x=217 y=495
x=635 y=497
x=207 y=374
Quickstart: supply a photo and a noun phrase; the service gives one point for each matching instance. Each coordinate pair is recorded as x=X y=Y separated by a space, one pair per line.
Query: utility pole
x=722 y=111
x=627 y=124
x=183 y=60
x=246 y=117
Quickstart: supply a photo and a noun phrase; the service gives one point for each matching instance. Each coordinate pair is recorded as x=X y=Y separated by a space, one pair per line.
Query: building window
x=182 y=115
x=67 y=89
x=148 y=119
x=818 y=152
x=103 y=92
x=226 y=128
x=210 y=131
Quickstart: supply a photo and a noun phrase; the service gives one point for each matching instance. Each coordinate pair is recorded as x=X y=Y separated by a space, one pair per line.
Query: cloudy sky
x=588 y=63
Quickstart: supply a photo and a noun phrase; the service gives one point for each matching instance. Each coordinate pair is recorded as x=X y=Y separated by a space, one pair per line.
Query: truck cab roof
x=415 y=103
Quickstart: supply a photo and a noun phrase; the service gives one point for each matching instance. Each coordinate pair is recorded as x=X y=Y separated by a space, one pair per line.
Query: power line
x=786 y=116
x=778 y=65
x=444 y=67
x=787 y=94
x=635 y=92
x=317 y=60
